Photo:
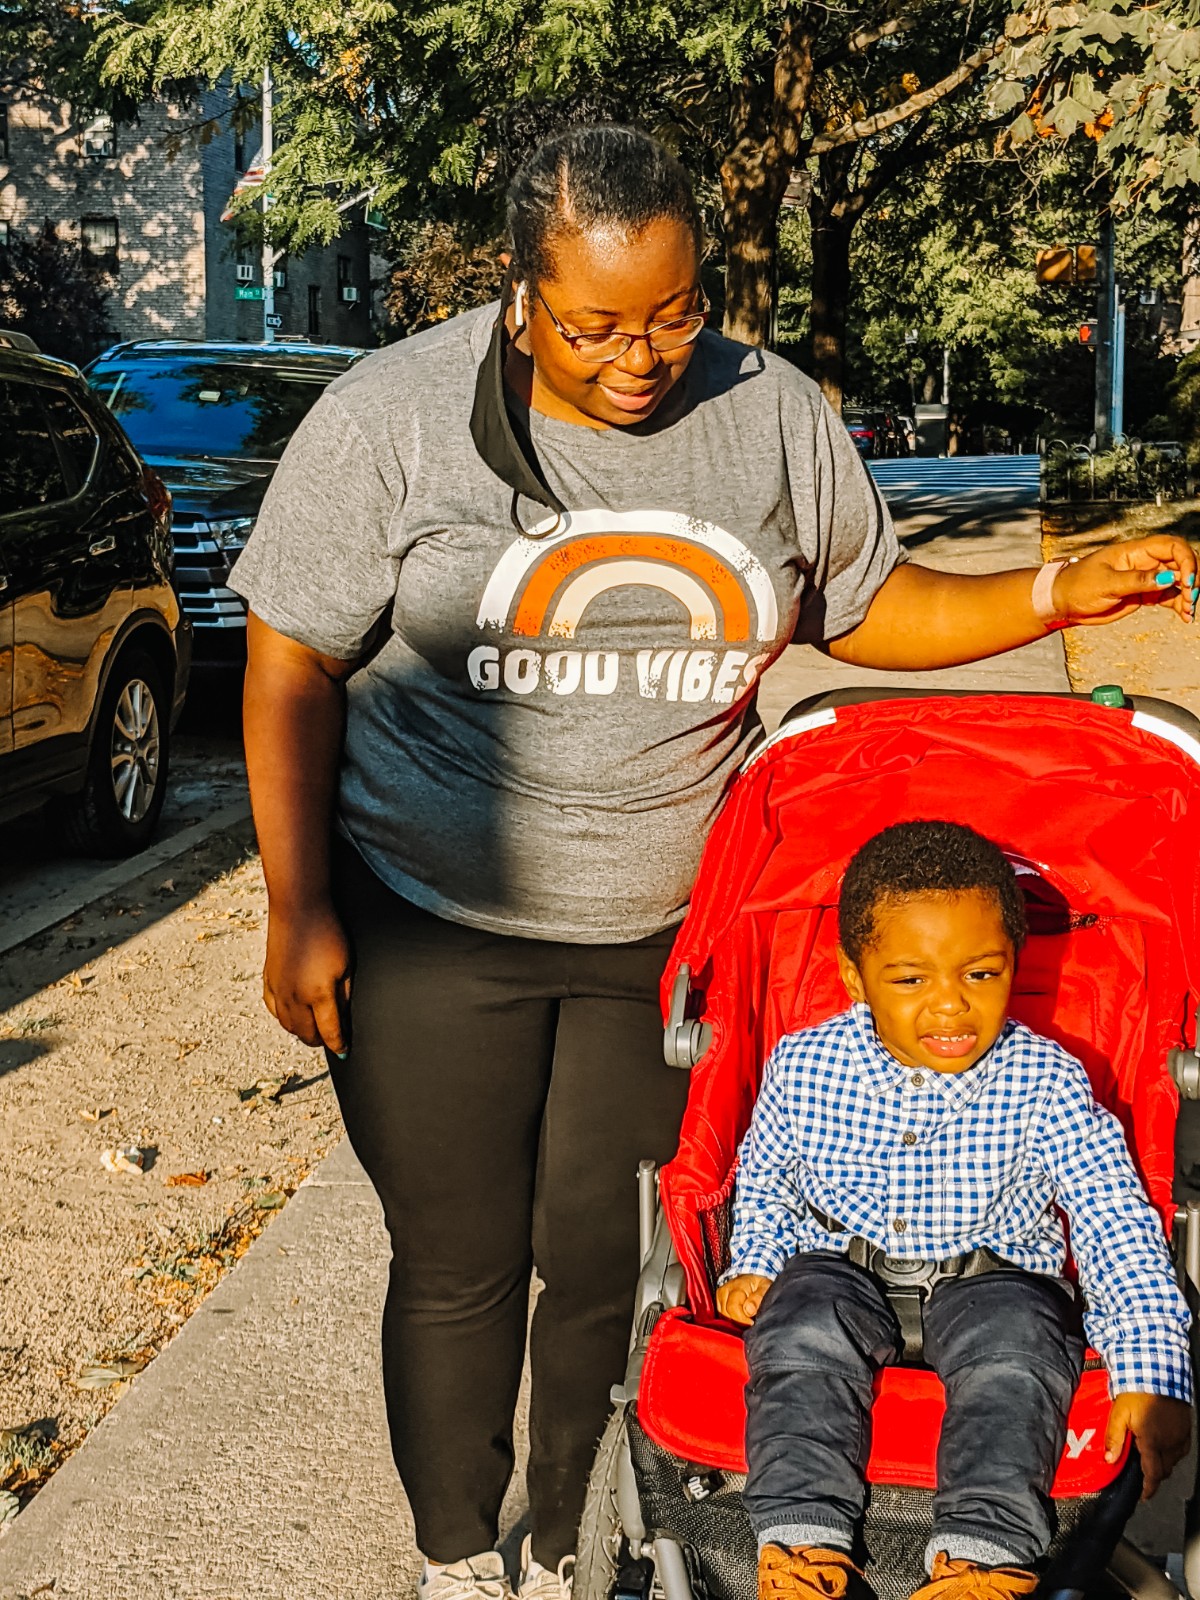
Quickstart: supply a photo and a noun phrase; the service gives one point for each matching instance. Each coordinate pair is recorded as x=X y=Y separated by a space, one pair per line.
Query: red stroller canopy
x=1098 y=808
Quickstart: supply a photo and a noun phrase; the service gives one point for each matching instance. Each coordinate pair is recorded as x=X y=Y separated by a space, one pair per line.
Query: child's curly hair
x=924 y=858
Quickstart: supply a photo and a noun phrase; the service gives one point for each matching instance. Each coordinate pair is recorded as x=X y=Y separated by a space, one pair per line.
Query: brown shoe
x=808 y=1573
x=966 y=1580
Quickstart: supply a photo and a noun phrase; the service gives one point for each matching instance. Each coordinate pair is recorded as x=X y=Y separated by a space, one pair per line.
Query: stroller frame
x=620 y=1558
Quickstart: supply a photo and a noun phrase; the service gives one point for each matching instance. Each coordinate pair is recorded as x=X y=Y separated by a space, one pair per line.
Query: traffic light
x=1067 y=263
x=1089 y=332
x=1056 y=265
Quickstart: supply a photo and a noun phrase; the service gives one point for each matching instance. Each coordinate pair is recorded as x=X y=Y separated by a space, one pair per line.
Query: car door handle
x=103 y=547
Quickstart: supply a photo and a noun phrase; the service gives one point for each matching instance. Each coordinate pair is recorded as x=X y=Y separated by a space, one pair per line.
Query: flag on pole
x=254 y=177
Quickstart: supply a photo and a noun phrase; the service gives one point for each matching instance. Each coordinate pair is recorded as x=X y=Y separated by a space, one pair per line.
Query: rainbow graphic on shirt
x=544 y=584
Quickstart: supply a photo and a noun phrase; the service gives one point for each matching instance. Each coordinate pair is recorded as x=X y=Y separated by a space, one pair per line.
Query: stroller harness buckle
x=908 y=1283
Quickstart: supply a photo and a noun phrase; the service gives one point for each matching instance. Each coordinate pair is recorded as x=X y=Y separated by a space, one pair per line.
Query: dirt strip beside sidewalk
x=1149 y=653
x=136 y=1023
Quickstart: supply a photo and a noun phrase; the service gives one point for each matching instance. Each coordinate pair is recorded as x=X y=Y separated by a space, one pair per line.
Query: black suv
x=213 y=421
x=94 y=652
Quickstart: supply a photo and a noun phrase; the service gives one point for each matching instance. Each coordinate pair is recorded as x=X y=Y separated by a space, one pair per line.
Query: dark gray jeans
x=1009 y=1350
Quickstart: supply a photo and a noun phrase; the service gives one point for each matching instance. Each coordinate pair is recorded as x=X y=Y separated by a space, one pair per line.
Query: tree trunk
x=771 y=104
x=830 y=298
x=753 y=180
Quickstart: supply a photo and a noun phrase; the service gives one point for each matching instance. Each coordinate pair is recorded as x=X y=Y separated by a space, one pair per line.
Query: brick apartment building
x=145 y=199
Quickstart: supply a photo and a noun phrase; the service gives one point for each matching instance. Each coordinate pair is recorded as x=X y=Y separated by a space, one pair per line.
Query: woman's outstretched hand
x=306 y=979
x=1114 y=581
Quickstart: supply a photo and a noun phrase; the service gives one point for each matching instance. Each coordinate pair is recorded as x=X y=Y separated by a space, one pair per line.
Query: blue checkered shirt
x=929 y=1165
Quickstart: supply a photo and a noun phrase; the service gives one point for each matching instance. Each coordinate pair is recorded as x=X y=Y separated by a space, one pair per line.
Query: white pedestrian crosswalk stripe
x=956 y=475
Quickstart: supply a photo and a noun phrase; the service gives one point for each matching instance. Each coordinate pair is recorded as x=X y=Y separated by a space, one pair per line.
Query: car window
x=30 y=470
x=208 y=408
x=76 y=435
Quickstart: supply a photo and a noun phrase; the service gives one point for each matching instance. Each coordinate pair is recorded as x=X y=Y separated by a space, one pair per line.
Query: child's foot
x=966 y=1580
x=809 y=1572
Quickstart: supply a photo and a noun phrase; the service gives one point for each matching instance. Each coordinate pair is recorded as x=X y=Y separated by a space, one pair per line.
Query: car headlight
x=232 y=533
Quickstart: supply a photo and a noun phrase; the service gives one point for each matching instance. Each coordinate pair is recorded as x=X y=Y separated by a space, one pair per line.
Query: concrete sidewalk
x=249 y=1461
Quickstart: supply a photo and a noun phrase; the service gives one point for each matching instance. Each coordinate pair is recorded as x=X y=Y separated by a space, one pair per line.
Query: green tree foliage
x=48 y=291
x=428 y=105
x=949 y=258
x=1121 y=73
x=1184 y=398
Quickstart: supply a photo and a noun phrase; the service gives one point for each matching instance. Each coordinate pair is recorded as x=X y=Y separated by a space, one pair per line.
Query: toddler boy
x=924 y=1124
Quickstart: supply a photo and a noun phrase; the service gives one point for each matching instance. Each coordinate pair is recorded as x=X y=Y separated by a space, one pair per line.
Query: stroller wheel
x=601 y=1533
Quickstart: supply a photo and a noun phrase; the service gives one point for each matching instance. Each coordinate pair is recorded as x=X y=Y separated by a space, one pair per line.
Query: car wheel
x=118 y=808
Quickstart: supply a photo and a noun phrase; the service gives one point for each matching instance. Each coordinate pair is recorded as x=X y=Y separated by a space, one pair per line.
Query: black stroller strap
x=908 y=1283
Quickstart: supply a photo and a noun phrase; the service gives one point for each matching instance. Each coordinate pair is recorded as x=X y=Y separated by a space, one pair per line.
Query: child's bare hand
x=1161 y=1429
x=740 y=1298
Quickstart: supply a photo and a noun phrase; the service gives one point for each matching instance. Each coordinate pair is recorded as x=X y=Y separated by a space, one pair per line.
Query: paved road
x=208 y=775
x=954 y=476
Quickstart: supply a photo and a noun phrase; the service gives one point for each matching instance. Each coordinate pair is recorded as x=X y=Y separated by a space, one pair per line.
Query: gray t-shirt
x=542 y=741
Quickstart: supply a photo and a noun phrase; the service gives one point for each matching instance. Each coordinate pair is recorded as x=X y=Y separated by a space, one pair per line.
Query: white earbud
x=519 y=299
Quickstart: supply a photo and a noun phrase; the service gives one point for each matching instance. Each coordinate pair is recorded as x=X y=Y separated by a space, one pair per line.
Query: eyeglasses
x=610 y=346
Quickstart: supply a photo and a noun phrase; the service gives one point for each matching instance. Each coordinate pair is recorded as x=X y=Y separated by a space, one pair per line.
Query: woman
x=483 y=763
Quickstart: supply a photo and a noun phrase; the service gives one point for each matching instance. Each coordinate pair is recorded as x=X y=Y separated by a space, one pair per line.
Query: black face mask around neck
x=504 y=443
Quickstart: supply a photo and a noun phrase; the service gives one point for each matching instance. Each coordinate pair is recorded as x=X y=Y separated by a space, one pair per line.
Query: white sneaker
x=540 y=1583
x=480 y=1577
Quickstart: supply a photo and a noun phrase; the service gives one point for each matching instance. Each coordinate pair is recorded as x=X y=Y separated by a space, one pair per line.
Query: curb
x=26 y=927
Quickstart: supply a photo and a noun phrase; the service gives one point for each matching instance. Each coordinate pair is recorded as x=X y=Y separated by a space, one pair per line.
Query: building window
x=3 y=133
x=281 y=272
x=99 y=138
x=101 y=245
x=347 y=290
x=314 y=310
x=239 y=153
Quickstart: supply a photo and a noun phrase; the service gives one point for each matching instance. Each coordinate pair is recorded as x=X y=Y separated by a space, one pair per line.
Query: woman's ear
x=851 y=977
x=520 y=306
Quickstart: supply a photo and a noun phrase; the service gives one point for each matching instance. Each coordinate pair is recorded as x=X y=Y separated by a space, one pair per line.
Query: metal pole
x=946 y=376
x=1118 y=375
x=268 y=255
x=1106 y=306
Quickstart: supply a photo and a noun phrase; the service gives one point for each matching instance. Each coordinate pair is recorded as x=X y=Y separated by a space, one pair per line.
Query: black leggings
x=500 y=1093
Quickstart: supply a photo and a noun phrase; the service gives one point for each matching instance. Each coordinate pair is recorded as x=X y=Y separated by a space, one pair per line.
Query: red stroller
x=1097 y=806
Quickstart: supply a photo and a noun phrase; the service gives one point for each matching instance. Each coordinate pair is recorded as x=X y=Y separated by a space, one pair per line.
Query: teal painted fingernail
x=1163 y=579
x=341 y=1054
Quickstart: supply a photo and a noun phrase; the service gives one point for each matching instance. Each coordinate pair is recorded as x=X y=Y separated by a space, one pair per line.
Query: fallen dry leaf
x=97 y=1115
x=187 y=1180
x=102 y=1374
